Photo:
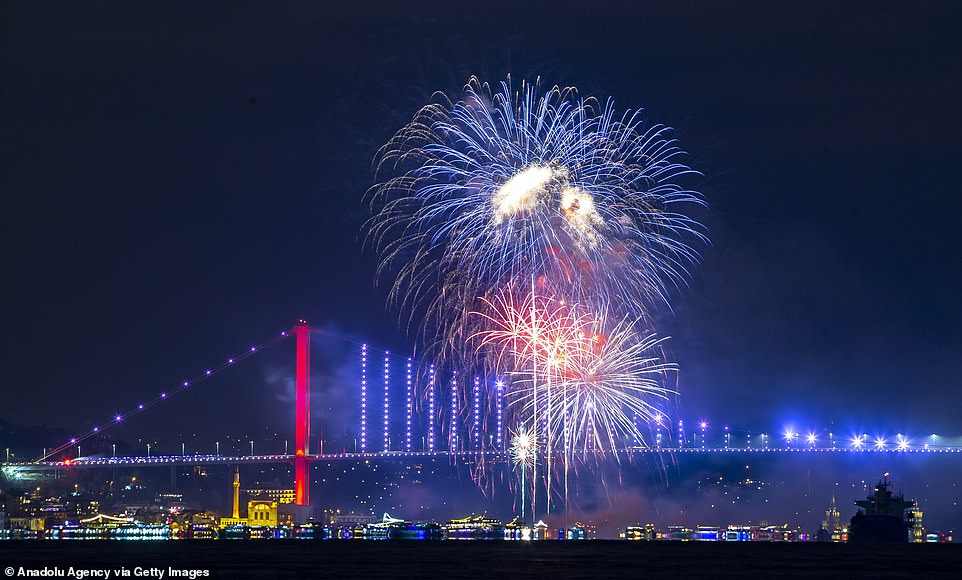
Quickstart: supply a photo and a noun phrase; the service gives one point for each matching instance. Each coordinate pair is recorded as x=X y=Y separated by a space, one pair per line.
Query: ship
x=882 y=517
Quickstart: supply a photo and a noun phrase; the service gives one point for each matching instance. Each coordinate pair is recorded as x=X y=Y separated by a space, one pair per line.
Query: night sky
x=180 y=181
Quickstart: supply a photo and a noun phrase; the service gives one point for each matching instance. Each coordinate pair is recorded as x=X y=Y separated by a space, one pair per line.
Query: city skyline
x=181 y=184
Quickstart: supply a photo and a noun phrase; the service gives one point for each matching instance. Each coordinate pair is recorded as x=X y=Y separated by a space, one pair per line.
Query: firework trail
x=503 y=185
x=532 y=339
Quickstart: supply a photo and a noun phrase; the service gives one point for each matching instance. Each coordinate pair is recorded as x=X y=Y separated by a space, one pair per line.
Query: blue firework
x=504 y=188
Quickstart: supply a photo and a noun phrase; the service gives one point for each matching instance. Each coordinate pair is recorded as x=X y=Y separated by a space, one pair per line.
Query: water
x=496 y=560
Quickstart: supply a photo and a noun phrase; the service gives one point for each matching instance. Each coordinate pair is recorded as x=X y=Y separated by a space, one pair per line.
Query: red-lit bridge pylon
x=302 y=415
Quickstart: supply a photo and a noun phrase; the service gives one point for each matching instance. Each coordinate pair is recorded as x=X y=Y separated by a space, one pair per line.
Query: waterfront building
x=834 y=524
x=262 y=512
x=517 y=529
x=679 y=534
x=281 y=496
x=738 y=533
x=646 y=533
x=475 y=527
x=917 y=531
x=706 y=534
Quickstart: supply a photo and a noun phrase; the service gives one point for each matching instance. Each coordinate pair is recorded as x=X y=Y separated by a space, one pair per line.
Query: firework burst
x=523 y=452
x=578 y=381
x=505 y=185
x=536 y=229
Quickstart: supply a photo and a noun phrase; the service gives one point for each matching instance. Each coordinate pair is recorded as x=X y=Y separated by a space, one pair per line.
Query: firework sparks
x=545 y=190
x=523 y=448
x=523 y=452
x=502 y=185
x=578 y=381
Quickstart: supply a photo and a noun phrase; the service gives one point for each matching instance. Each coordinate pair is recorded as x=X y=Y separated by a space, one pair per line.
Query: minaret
x=236 y=513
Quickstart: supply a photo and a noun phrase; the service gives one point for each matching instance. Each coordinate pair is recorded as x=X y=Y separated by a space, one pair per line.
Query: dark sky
x=179 y=181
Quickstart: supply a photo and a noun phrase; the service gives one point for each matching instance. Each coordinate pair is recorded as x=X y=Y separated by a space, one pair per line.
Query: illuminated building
x=474 y=528
x=236 y=510
x=679 y=533
x=517 y=529
x=834 y=524
x=736 y=533
x=707 y=534
x=541 y=531
x=916 y=532
x=235 y=519
x=644 y=533
x=576 y=532
x=100 y=521
x=281 y=496
x=262 y=513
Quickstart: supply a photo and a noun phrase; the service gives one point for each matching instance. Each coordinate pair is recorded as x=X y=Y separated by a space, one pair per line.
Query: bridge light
x=811 y=438
x=903 y=443
x=880 y=443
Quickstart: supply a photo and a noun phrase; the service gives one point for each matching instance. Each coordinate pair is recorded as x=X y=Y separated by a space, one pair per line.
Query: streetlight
x=183 y=448
x=285 y=447
x=8 y=455
x=148 y=450
x=113 y=446
x=216 y=447
x=252 y=449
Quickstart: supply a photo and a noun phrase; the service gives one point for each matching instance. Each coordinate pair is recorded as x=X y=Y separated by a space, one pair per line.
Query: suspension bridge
x=473 y=427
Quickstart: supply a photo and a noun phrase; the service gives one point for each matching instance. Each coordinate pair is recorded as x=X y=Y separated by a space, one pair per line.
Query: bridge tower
x=302 y=415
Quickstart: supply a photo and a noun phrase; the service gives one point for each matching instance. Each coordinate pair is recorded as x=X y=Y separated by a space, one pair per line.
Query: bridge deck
x=161 y=460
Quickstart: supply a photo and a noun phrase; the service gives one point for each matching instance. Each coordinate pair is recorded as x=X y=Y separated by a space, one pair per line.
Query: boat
x=882 y=517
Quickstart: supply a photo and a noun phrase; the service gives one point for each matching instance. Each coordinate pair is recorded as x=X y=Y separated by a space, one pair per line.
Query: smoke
x=334 y=388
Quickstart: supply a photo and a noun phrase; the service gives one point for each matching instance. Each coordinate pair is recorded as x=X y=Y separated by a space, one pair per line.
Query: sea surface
x=494 y=560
